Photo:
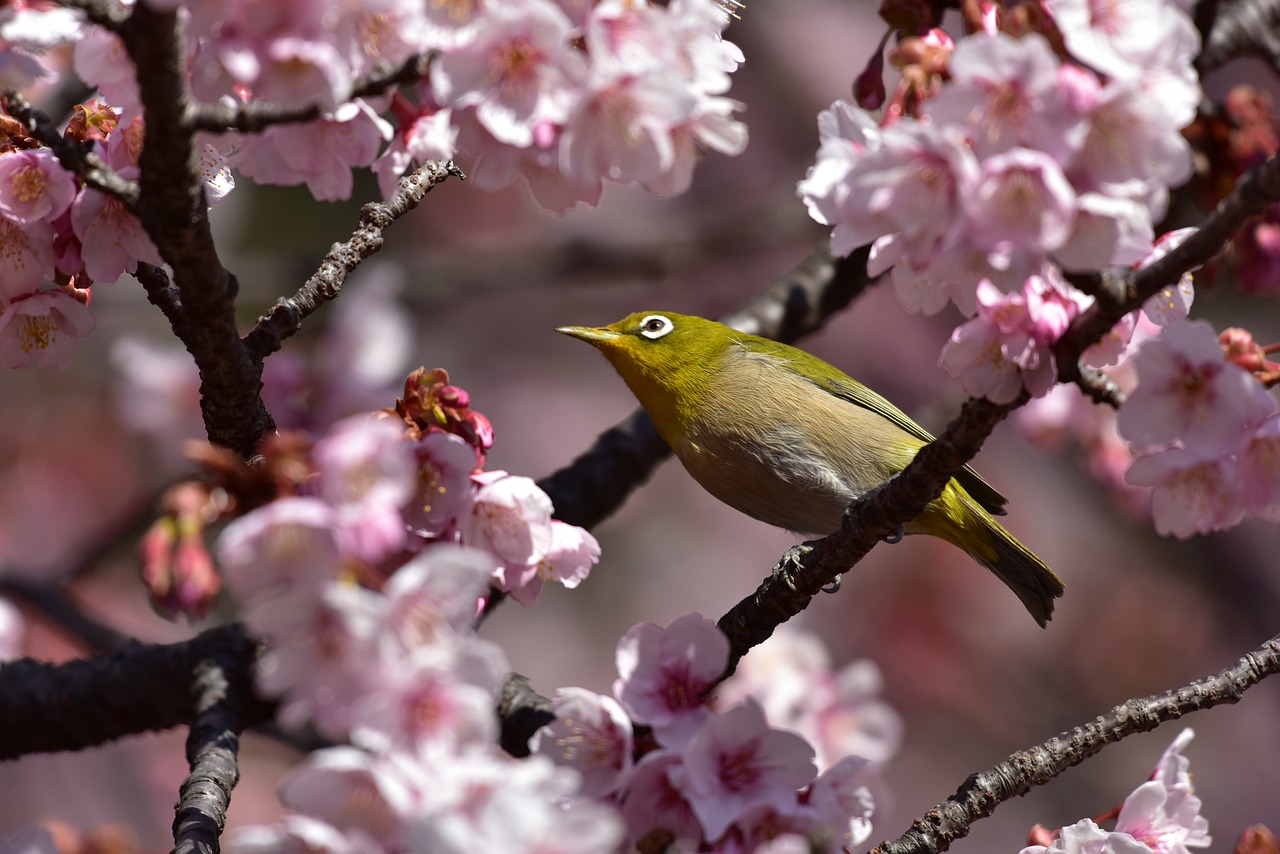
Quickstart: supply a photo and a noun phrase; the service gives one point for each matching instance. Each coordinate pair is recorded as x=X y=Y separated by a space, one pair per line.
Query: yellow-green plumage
x=788 y=439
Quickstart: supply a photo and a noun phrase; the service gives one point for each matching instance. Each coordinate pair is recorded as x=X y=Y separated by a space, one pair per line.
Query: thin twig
x=1234 y=28
x=75 y=157
x=979 y=796
x=253 y=116
x=286 y=316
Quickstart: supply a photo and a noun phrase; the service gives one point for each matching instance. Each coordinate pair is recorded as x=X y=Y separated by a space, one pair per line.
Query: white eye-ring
x=655 y=326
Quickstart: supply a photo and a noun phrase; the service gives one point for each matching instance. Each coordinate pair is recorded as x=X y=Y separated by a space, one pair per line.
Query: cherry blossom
x=1164 y=813
x=288 y=543
x=444 y=491
x=511 y=518
x=592 y=734
x=300 y=834
x=42 y=329
x=664 y=674
x=735 y=761
x=1188 y=392
x=27 y=253
x=355 y=791
x=568 y=561
x=1085 y=837
x=34 y=186
x=653 y=803
x=432 y=598
x=112 y=239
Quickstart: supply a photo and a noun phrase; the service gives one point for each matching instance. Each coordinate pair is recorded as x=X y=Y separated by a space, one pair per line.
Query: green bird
x=790 y=440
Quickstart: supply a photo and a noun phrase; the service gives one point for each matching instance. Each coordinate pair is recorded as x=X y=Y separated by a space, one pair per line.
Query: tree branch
x=979 y=796
x=878 y=514
x=286 y=316
x=137 y=688
x=253 y=116
x=1232 y=28
x=222 y=688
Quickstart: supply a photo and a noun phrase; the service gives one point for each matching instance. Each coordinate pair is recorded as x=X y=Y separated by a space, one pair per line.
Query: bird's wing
x=833 y=381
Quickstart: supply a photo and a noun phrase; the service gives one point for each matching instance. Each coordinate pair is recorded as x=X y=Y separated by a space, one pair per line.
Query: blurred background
x=481 y=281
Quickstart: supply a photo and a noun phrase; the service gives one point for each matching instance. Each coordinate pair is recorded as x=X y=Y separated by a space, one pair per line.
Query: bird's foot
x=791 y=564
x=834 y=586
x=895 y=537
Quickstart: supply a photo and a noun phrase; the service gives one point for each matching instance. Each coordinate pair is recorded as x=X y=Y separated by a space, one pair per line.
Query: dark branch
x=137 y=688
x=222 y=689
x=163 y=295
x=1017 y=775
x=1232 y=28
x=254 y=116
x=173 y=210
x=286 y=316
x=880 y=512
x=522 y=711
x=104 y=13
x=74 y=156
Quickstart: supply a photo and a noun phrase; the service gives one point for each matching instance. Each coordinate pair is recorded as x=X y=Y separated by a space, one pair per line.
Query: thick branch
x=1017 y=775
x=137 y=688
x=286 y=316
x=172 y=208
x=522 y=711
x=253 y=116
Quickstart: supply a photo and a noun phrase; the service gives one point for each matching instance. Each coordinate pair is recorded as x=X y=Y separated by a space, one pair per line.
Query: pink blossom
x=285 y=544
x=1020 y=200
x=1173 y=302
x=839 y=713
x=444 y=491
x=433 y=597
x=1260 y=470
x=907 y=188
x=436 y=698
x=12 y=629
x=1108 y=230
x=42 y=329
x=1188 y=392
x=844 y=134
x=664 y=675
x=511 y=518
x=38 y=27
x=318 y=661
x=112 y=239
x=1008 y=93
x=27 y=255
x=518 y=72
x=213 y=168
x=1130 y=141
x=569 y=560
x=364 y=460
x=1191 y=494
x=300 y=834
x=1164 y=814
x=843 y=799
x=1085 y=837
x=320 y=153
x=652 y=803
x=735 y=762
x=353 y=790
x=34 y=186
x=101 y=61
x=1116 y=38
x=592 y=734
x=487 y=803
x=1009 y=343
x=425 y=132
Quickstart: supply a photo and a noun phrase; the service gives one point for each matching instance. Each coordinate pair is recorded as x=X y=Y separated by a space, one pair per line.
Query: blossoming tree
x=1053 y=173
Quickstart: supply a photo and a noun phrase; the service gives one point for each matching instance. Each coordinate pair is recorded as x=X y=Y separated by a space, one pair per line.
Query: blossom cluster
x=567 y=94
x=1162 y=816
x=1019 y=164
x=702 y=778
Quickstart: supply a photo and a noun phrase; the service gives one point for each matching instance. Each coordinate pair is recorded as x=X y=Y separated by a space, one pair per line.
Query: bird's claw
x=791 y=564
x=895 y=537
x=834 y=586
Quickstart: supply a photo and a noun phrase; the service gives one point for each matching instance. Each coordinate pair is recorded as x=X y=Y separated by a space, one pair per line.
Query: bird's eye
x=655 y=326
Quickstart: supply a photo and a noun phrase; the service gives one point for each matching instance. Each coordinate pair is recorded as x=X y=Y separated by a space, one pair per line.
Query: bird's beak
x=594 y=335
